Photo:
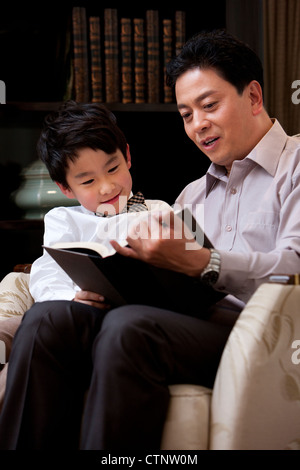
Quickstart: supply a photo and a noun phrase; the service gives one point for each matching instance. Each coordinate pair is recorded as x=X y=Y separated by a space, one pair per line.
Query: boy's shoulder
x=156 y=204
x=66 y=211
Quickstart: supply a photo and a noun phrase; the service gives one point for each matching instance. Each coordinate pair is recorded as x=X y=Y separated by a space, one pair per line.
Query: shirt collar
x=86 y=211
x=269 y=149
x=275 y=139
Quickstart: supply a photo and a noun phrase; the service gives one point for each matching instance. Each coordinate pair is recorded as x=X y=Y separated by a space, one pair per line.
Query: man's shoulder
x=193 y=189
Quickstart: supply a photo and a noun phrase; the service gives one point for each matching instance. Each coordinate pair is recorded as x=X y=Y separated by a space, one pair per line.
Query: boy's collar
x=135 y=203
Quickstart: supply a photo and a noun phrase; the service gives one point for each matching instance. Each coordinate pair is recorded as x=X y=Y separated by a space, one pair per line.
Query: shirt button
x=233 y=191
x=228 y=228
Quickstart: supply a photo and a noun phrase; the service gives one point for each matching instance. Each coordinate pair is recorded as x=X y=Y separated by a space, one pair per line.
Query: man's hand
x=91 y=298
x=162 y=241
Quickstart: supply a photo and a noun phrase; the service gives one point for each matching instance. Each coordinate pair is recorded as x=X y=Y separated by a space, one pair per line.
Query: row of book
x=122 y=60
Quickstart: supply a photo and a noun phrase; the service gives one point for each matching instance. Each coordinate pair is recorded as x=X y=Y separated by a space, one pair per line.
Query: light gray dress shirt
x=253 y=216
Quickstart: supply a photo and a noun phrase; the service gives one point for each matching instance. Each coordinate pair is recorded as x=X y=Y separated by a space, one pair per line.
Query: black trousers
x=82 y=378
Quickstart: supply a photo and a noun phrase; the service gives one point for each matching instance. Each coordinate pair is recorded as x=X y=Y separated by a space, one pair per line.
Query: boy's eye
x=111 y=170
x=88 y=181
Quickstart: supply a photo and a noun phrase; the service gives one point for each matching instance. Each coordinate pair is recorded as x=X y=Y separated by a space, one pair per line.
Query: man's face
x=216 y=118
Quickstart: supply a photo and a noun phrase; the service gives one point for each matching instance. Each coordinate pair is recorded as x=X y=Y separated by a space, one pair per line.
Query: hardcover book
x=111 y=53
x=180 y=30
x=123 y=280
x=153 y=56
x=80 y=55
x=139 y=60
x=126 y=62
x=96 y=59
x=167 y=54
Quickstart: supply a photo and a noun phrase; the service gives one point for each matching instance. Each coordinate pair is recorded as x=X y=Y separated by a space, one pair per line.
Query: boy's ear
x=128 y=157
x=66 y=191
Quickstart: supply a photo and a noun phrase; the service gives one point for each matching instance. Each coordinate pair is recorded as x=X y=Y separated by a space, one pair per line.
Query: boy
x=88 y=157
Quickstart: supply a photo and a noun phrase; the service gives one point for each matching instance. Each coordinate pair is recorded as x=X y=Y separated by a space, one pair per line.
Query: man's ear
x=66 y=191
x=128 y=157
x=256 y=97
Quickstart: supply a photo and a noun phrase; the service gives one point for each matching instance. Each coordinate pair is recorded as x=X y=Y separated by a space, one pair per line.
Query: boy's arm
x=48 y=281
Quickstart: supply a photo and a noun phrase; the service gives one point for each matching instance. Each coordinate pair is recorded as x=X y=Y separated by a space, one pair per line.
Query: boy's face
x=101 y=182
x=216 y=118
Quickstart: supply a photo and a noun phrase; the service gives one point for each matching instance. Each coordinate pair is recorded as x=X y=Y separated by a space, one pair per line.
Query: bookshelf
x=37 y=42
x=36 y=53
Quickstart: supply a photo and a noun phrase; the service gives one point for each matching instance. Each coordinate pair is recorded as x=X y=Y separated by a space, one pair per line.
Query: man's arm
x=165 y=245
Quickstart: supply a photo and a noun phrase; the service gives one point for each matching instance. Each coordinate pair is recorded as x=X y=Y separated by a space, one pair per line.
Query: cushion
x=188 y=419
x=15 y=297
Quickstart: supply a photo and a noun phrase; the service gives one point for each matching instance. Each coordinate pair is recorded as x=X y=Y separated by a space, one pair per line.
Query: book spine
x=96 y=61
x=126 y=60
x=111 y=54
x=180 y=31
x=80 y=54
x=167 y=54
x=139 y=60
x=153 y=59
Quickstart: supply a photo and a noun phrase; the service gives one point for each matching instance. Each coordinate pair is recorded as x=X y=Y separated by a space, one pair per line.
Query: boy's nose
x=106 y=187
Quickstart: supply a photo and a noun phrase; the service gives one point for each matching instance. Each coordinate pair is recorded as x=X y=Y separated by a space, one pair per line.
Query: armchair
x=255 y=401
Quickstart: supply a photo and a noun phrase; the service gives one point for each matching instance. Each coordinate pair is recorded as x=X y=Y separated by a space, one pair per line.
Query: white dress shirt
x=67 y=224
x=253 y=216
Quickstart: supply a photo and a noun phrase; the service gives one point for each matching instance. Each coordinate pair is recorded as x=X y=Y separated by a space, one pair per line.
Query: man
x=251 y=198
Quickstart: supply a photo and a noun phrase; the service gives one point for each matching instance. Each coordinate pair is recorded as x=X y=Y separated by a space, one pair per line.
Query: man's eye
x=185 y=115
x=209 y=105
x=88 y=182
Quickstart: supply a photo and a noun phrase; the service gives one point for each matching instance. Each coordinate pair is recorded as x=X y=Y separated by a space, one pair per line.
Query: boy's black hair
x=232 y=59
x=73 y=127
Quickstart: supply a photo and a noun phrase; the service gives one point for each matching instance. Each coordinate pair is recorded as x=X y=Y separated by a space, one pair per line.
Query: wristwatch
x=210 y=273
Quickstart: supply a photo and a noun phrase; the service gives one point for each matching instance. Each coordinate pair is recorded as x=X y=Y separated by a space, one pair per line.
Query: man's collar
x=273 y=142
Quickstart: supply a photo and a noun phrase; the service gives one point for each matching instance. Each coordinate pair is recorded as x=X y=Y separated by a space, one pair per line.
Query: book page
x=102 y=250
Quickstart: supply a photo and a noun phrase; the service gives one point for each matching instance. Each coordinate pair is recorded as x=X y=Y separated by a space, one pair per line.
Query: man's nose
x=201 y=122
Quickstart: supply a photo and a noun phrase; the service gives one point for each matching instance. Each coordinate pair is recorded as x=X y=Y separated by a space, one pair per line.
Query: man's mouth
x=208 y=143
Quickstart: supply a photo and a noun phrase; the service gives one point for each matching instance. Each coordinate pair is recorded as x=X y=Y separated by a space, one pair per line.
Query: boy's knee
x=66 y=321
x=42 y=310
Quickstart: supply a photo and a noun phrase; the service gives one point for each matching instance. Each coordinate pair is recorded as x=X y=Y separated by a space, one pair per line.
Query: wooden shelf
x=119 y=107
x=22 y=224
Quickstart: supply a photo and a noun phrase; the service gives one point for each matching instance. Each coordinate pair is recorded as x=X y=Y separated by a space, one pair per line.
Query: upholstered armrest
x=256 y=396
x=15 y=297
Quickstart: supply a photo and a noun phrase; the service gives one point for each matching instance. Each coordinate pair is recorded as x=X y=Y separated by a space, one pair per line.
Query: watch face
x=210 y=277
x=210 y=274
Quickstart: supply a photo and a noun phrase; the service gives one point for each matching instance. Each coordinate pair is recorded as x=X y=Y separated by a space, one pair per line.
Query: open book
x=124 y=280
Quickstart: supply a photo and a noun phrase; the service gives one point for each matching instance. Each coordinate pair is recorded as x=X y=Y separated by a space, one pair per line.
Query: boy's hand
x=91 y=298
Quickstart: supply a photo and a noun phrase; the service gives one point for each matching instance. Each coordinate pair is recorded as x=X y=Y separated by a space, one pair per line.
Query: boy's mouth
x=111 y=200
